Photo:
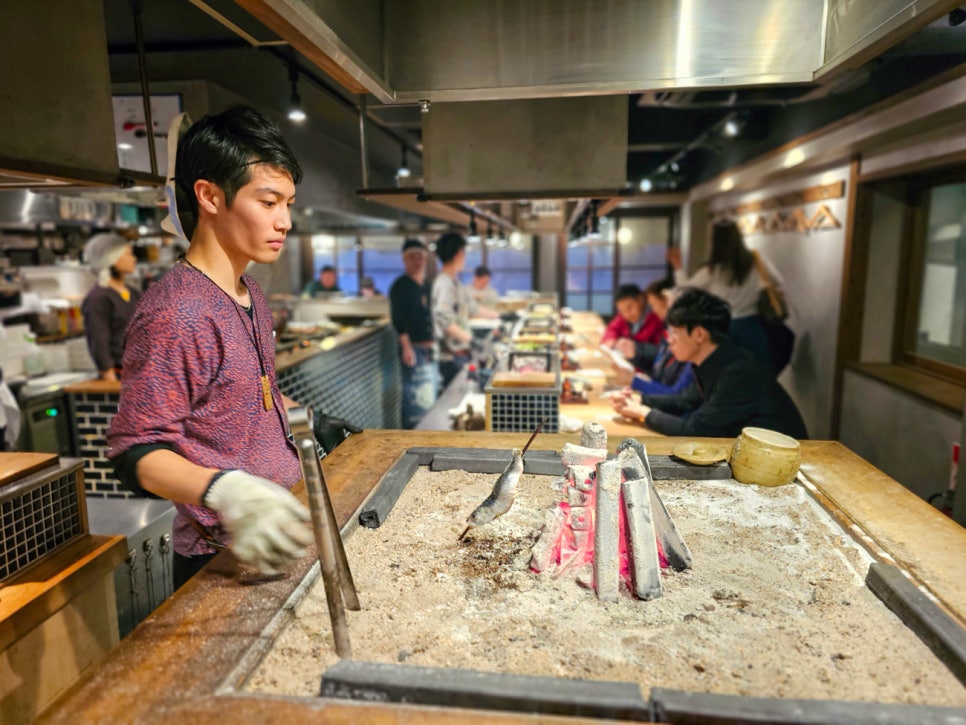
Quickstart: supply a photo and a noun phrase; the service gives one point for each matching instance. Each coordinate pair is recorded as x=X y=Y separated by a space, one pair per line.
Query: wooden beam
x=285 y=30
x=407 y=201
x=640 y=200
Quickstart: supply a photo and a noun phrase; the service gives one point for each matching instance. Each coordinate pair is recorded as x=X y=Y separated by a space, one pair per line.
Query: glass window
x=940 y=332
x=511 y=264
x=382 y=260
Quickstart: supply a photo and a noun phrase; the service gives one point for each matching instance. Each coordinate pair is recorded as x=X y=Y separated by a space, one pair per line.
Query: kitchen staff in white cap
x=108 y=307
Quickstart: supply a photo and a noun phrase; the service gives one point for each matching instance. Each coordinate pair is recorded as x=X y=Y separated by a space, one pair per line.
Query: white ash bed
x=775 y=605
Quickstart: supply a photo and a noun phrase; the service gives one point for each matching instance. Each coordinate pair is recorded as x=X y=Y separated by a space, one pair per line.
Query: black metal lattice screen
x=359 y=381
x=37 y=521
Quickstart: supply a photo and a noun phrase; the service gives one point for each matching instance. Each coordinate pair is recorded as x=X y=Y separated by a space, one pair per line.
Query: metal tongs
x=340 y=590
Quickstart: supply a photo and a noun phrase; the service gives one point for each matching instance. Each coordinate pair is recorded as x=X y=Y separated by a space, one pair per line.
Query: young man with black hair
x=452 y=308
x=201 y=420
x=737 y=389
x=633 y=320
x=481 y=291
x=326 y=284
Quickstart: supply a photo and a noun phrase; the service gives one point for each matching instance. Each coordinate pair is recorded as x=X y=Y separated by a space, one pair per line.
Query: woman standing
x=731 y=275
x=108 y=307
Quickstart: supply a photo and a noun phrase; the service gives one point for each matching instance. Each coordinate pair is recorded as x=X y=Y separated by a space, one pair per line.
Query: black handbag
x=773 y=310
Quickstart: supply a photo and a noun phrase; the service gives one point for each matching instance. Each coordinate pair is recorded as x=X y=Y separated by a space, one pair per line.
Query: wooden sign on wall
x=772 y=215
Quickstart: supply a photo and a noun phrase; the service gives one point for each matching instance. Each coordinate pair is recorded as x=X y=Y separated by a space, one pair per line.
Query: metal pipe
x=362 y=142
x=324 y=544
x=145 y=91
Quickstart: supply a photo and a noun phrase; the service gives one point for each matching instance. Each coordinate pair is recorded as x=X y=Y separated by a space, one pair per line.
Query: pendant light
x=295 y=112
x=473 y=235
x=403 y=171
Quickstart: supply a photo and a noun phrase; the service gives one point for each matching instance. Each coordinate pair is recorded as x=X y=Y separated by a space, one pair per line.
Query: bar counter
x=177 y=662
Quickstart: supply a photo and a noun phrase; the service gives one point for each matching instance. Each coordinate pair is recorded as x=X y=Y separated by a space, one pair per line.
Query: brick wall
x=92 y=414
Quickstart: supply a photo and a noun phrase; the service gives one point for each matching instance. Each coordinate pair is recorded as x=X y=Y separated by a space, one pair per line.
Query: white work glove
x=266 y=522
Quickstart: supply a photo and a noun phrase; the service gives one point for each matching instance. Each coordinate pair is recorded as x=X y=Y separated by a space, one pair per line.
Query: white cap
x=101 y=252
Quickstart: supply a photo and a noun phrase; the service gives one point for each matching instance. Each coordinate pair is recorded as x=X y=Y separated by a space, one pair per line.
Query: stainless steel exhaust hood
x=58 y=124
x=473 y=50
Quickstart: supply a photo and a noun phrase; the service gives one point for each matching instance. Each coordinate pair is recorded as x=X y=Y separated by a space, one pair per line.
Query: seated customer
x=738 y=390
x=481 y=291
x=325 y=285
x=663 y=381
x=633 y=320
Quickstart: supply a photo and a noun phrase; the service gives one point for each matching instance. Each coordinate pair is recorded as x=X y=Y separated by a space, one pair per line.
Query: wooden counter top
x=293 y=357
x=107 y=387
x=16 y=465
x=171 y=666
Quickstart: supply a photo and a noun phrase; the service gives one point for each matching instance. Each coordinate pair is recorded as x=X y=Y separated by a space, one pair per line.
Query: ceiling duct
x=510 y=149
x=63 y=128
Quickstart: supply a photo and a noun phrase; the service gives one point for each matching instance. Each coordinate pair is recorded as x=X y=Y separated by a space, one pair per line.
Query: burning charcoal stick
x=542 y=551
x=633 y=459
x=593 y=435
x=580 y=456
x=645 y=565
x=581 y=477
x=606 y=530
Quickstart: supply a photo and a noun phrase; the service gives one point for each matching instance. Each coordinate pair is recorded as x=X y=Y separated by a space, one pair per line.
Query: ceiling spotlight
x=403 y=172
x=674 y=167
x=473 y=236
x=732 y=128
x=646 y=185
x=727 y=184
x=295 y=112
x=424 y=106
x=793 y=158
x=594 y=220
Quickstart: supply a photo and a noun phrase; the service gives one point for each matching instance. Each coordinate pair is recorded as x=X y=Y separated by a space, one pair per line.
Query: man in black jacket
x=738 y=390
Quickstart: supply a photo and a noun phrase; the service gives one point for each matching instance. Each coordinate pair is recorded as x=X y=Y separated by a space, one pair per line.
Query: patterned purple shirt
x=192 y=381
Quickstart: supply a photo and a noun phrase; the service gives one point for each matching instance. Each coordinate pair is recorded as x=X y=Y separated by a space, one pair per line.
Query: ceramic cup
x=764 y=457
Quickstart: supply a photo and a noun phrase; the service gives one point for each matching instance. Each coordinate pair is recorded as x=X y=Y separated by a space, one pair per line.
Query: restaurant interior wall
x=905 y=434
x=810 y=263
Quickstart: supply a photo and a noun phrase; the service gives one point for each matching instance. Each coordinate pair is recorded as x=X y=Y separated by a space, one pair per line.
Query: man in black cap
x=409 y=302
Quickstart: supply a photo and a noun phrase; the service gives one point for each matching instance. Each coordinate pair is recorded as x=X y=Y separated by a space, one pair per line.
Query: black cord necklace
x=266 y=385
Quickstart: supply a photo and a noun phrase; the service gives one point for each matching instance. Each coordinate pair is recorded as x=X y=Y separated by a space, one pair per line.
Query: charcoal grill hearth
x=817 y=643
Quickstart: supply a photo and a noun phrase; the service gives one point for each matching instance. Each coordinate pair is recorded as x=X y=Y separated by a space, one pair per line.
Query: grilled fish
x=501 y=497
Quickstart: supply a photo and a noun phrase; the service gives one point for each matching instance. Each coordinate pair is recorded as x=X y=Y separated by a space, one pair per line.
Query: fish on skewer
x=501 y=497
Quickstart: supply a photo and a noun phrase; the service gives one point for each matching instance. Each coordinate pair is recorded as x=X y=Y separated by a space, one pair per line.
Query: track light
x=594 y=222
x=646 y=185
x=295 y=112
x=732 y=128
x=403 y=172
x=473 y=235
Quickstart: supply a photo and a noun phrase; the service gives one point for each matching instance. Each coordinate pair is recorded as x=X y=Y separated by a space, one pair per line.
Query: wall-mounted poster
x=131 y=130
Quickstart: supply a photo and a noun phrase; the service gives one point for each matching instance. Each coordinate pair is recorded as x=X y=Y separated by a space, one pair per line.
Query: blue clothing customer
x=409 y=302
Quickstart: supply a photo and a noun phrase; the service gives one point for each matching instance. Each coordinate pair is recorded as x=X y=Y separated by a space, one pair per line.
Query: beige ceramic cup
x=765 y=457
